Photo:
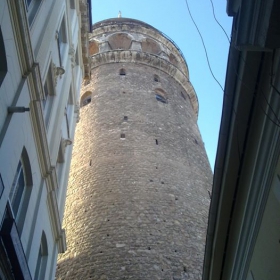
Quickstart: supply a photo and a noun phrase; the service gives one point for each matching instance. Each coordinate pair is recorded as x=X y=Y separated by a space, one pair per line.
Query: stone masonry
x=137 y=200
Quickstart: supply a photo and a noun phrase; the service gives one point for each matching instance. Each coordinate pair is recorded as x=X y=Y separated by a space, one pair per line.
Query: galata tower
x=138 y=194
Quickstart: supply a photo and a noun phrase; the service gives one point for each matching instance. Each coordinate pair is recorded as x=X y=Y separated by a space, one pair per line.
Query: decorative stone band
x=121 y=56
x=132 y=26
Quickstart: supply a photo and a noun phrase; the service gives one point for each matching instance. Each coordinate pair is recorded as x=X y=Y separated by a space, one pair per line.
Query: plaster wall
x=17 y=130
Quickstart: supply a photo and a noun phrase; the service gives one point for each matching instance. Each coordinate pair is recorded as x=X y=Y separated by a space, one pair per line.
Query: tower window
x=161 y=95
x=156 y=142
x=122 y=136
x=86 y=98
x=156 y=78
x=122 y=72
x=125 y=118
x=161 y=98
x=86 y=101
x=183 y=95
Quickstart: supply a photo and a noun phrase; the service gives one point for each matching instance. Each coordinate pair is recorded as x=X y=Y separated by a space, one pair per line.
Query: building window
x=72 y=4
x=32 y=7
x=125 y=118
x=183 y=95
x=122 y=136
x=122 y=72
x=48 y=95
x=42 y=258
x=3 y=59
x=61 y=40
x=156 y=78
x=17 y=189
x=77 y=57
x=67 y=118
x=1 y=186
x=21 y=190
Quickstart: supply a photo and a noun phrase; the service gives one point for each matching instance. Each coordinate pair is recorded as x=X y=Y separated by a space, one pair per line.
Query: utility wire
x=218 y=21
x=277 y=122
x=203 y=46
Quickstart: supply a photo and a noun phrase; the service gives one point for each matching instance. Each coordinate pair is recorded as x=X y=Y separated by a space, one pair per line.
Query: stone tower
x=137 y=201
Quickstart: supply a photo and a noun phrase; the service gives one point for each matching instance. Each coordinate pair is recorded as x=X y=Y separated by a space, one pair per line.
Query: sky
x=172 y=18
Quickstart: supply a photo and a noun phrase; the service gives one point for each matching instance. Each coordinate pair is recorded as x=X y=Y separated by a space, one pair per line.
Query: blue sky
x=172 y=18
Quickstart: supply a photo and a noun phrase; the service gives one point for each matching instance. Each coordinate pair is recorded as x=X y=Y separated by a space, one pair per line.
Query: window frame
x=42 y=258
x=62 y=40
x=72 y=4
x=17 y=190
x=49 y=94
x=22 y=198
x=32 y=8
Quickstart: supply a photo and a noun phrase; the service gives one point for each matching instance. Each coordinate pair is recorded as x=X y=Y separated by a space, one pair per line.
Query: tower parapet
x=137 y=201
x=130 y=40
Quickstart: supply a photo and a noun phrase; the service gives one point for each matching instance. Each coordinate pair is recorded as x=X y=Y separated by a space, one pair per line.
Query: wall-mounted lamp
x=12 y=110
x=60 y=71
x=68 y=142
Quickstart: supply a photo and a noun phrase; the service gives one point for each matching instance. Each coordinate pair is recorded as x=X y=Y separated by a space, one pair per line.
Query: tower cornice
x=115 y=25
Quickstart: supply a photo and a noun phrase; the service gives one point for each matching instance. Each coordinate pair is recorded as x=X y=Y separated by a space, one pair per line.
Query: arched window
x=160 y=95
x=42 y=258
x=21 y=190
x=32 y=7
x=3 y=59
x=86 y=98
x=122 y=72
x=86 y=101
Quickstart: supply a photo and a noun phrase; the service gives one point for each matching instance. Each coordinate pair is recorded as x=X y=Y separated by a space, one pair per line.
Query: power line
x=218 y=21
x=208 y=62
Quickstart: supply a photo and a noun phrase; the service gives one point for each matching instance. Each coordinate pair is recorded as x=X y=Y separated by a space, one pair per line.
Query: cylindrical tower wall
x=137 y=200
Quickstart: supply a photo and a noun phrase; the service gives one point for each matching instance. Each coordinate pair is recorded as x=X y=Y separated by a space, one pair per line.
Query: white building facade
x=43 y=49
